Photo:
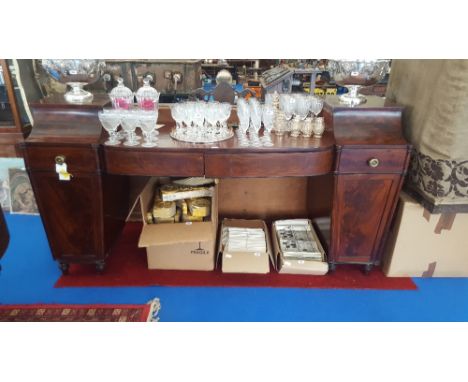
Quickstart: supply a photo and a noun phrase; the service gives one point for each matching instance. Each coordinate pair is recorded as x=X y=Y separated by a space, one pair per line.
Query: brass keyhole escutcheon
x=373 y=162
x=60 y=159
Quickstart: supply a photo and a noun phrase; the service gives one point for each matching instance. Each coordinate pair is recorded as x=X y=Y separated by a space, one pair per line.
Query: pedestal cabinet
x=362 y=149
x=371 y=162
x=82 y=216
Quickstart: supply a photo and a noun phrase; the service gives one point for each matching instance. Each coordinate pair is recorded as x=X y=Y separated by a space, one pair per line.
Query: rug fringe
x=155 y=306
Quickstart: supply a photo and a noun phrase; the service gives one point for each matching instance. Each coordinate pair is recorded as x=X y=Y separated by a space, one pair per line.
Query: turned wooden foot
x=64 y=267
x=367 y=268
x=100 y=266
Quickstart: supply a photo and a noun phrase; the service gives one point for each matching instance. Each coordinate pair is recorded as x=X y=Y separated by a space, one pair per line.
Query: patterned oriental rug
x=80 y=313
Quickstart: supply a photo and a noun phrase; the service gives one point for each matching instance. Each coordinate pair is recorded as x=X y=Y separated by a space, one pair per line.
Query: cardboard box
x=182 y=246
x=300 y=267
x=245 y=262
x=421 y=244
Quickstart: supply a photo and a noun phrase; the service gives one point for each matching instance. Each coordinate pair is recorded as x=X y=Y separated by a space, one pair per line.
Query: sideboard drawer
x=392 y=160
x=77 y=158
x=263 y=165
x=153 y=163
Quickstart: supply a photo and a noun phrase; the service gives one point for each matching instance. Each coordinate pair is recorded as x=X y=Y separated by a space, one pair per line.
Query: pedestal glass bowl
x=76 y=74
x=355 y=74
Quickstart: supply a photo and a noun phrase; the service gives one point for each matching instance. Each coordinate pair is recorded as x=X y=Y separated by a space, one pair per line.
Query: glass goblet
x=316 y=105
x=147 y=125
x=110 y=122
x=129 y=125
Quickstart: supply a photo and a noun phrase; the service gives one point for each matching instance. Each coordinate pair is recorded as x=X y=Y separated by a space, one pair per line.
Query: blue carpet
x=29 y=274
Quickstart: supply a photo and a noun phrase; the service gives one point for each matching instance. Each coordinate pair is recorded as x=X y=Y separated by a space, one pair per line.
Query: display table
x=362 y=150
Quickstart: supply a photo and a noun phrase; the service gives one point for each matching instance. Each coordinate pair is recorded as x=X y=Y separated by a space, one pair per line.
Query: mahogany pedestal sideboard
x=362 y=151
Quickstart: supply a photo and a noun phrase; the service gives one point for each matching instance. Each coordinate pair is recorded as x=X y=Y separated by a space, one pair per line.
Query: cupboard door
x=71 y=212
x=361 y=212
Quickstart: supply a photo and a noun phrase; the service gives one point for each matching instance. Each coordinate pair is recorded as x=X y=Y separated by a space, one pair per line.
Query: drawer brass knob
x=60 y=159
x=373 y=162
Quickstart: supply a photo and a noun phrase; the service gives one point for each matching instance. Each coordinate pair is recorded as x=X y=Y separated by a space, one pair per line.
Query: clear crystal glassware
x=307 y=127
x=318 y=127
x=177 y=113
x=148 y=120
x=296 y=125
x=110 y=122
x=316 y=105
x=243 y=113
x=302 y=106
x=199 y=114
x=129 y=124
x=187 y=113
x=255 y=116
x=121 y=96
x=147 y=97
x=281 y=125
x=287 y=105
x=268 y=117
x=225 y=109
x=213 y=114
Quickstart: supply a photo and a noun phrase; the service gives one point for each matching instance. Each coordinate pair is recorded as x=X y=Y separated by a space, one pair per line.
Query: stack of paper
x=296 y=240
x=237 y=239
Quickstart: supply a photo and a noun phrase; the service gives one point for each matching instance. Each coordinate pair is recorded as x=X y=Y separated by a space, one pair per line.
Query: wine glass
x=225 y=114
x=243 y=113
x=287 y=105
x=268 y=117
x=255 y=122
x=129 y=124
x=148 y=124
x=316 y=105
x=302 y=106
x=212 y=115
x=110 y=122
x=177 y=115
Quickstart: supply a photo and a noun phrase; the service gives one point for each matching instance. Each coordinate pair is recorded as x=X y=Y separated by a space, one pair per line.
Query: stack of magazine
x=296 y=240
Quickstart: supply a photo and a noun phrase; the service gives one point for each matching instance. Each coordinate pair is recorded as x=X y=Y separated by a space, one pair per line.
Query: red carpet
x=74 y=313
x=127 y=267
